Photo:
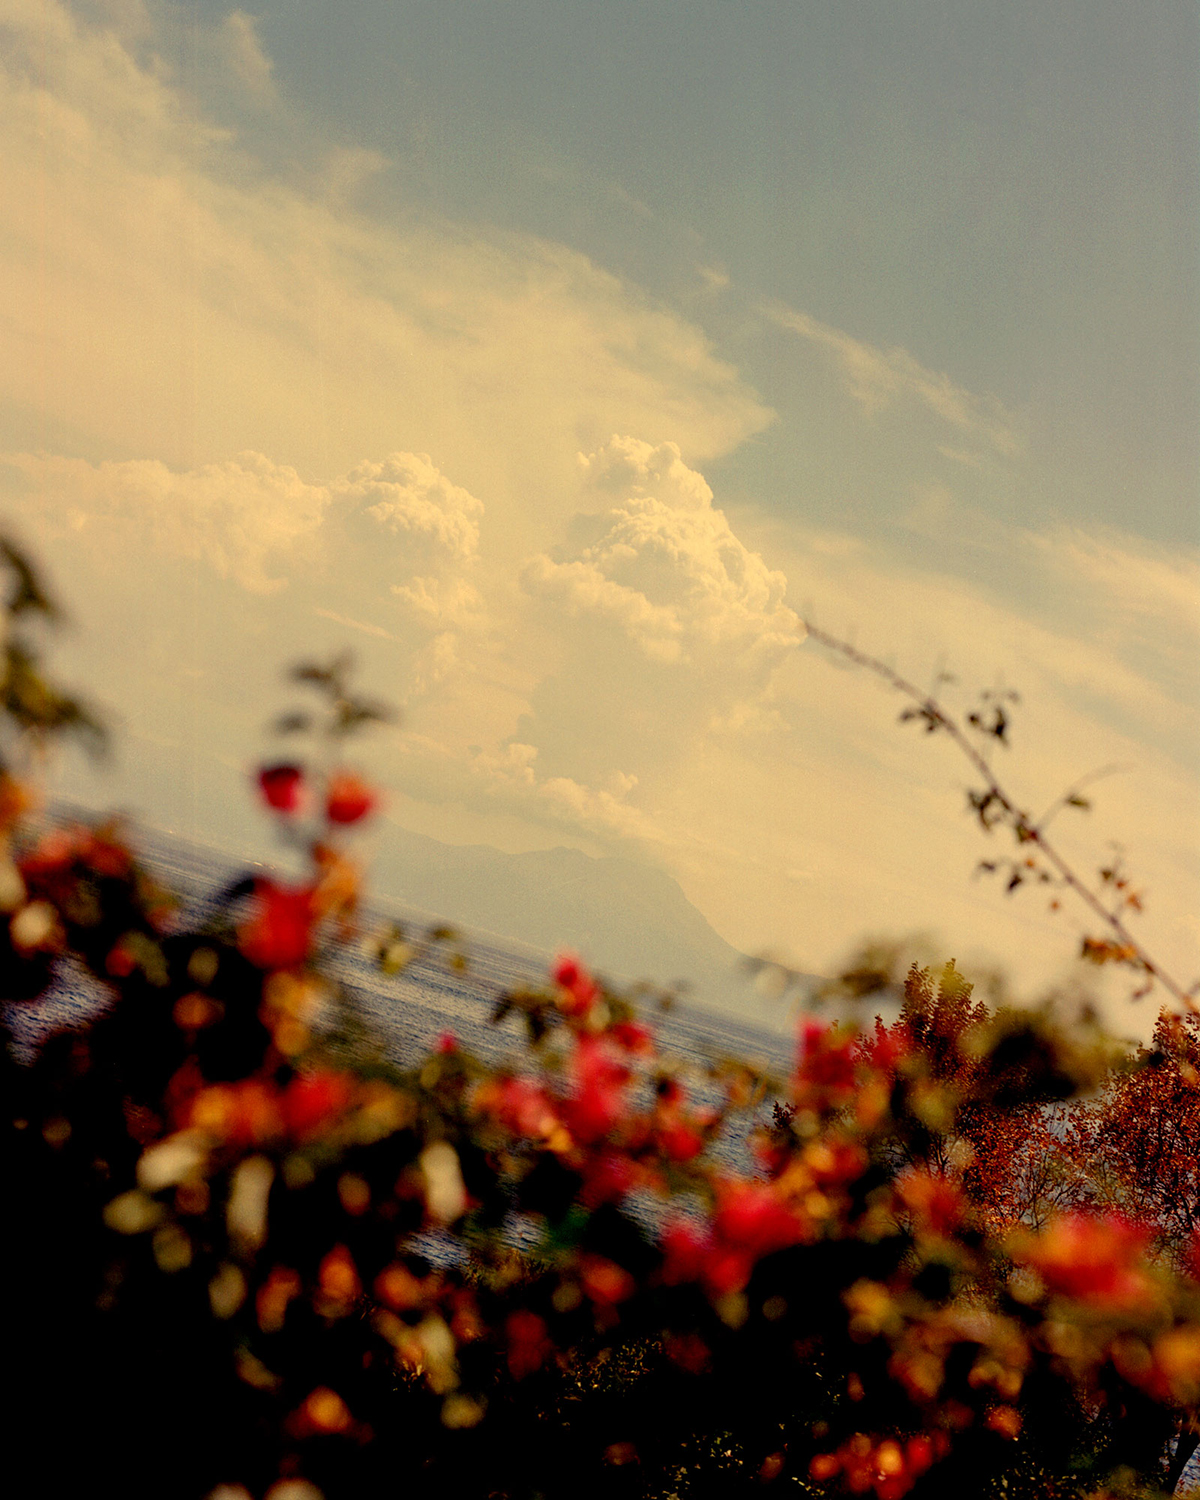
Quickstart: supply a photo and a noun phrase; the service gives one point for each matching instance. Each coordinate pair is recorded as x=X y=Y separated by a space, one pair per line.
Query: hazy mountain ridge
x=626 y=918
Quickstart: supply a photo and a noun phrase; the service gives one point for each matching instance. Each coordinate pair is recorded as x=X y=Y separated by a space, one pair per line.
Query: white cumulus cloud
x=667 y=570
x=255 y=520
x=667 y=629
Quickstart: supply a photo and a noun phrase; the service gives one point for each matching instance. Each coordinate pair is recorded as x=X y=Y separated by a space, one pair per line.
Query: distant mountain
x=627 y=919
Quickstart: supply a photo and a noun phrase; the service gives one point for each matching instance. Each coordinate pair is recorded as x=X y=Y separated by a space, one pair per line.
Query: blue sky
x=564 y=357
x=1007 y=190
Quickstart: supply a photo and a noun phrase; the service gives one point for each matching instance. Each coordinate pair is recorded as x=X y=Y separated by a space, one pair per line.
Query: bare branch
x=994 y=804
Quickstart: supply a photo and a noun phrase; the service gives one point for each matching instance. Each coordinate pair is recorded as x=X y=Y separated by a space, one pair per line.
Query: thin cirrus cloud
x=241 y=46
x=879 y=378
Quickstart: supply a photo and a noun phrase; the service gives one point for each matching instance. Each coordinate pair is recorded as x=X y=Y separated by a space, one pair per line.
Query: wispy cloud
x=878 y=378
x=163 y=296
x=360 y=625
x=244 y=55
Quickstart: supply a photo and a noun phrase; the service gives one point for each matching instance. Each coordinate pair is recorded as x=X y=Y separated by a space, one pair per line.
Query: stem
x=1026 y=831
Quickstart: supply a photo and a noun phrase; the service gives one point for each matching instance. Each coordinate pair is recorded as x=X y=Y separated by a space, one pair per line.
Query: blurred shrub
x=240 y=1264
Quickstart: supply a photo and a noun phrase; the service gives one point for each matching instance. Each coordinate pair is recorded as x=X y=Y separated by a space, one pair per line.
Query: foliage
x=1133 y=1148
x=244 y=1261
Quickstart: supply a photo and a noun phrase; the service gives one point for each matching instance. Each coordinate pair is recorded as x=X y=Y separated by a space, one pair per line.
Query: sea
x=450 y=986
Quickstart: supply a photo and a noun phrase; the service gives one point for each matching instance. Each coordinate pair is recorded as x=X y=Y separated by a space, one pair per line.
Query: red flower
x=281 y=787
x=634 y=1038
x=750 y=1223
x=54 y=853
x=1095 y=1258
x=106 y=855
x=348 y=798
x=935 y=1202
x=607 y=1177
x=528 y=1344
x=120 y=962
x=598 y=1101
x=679 y=1141
x=322 y=1411
x=338 y=1282
x=726 y=1270
x=520 y=1105
x=677 y=1137
x=689 y=1352
x=685 y=1251
x=311 y=1101
x=826 y=1058
x=603 y=1281
x=279 y=932
x=241 y=1114
x=752 y=1218
x=578 y=986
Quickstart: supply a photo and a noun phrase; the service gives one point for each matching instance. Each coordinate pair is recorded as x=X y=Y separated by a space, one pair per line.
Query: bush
x=243 y=1261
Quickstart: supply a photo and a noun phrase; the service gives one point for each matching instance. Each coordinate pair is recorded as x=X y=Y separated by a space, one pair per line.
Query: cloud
x=879 y=378
x=1140 y=580
x=582 y=590
x=715 y=278
x=850 y=790
x=665 y=626
x=249 y=518
x=244 y=54
x=592 y=652
x=667 y=571
x=242 y=516
x=507 y=780
x=409 y=527
x=165 y=295
x=361 y=625
x=572 y=703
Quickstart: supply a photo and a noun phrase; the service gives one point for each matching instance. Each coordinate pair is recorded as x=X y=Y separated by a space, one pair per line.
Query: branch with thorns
x=1110 y=900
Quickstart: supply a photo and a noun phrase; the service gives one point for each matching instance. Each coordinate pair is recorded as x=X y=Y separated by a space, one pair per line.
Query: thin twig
x=1072 y=792
x=1027 y=832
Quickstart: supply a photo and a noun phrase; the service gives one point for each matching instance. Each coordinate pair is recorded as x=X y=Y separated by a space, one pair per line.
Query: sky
x=563 y=359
